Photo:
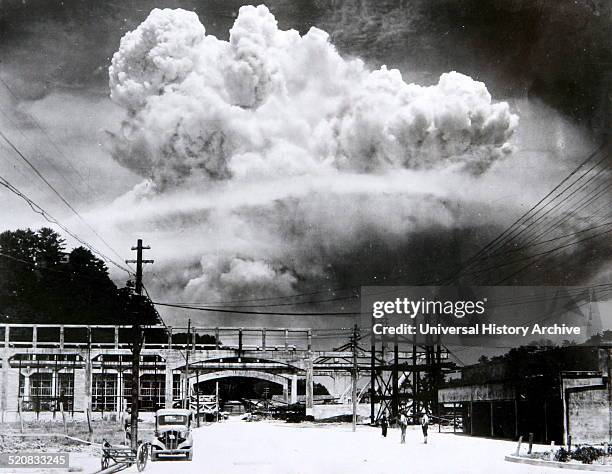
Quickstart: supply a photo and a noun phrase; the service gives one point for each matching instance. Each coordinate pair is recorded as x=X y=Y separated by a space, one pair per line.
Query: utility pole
x=137 y=341
x=187 y=403
x=372 y=376
x=354 y=374
x=197 y=391
x=217 y=399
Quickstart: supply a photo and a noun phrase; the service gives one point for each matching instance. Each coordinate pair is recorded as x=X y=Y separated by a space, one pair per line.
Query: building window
x=152 y=391
x=104 y=392
x=41 y=385
x=177 y=389
x=43 y=391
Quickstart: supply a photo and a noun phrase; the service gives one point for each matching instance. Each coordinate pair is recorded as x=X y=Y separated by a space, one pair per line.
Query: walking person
x=384 y=425
x=425 y=425
x=403 y=424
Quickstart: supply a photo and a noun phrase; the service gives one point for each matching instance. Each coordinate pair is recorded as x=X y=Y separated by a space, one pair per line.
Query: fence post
x=19 y=410
x=530 y=443
x=63 y=417
x=89 y=427
x=551 y=455
x=518 y=446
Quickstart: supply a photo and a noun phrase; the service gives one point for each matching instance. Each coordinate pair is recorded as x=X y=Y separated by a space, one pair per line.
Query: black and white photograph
x=305 y=236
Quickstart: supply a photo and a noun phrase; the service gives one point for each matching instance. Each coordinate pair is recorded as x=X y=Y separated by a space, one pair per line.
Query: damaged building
x=554 y=393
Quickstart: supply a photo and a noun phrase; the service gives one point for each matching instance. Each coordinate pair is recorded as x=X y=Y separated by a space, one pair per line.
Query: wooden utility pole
x=217 y=398
x=187 y=403
x=354 y=375
x=137 y=341
x=197 y=392
x=373 y=377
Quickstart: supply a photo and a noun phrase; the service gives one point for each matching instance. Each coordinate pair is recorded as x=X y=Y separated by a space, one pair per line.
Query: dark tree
x=41 y=283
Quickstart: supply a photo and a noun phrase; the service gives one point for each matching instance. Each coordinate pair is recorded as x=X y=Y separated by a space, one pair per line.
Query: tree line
x=43 y=282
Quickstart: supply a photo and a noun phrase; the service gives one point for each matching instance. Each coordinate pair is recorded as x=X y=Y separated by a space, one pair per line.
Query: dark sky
x=558 y=51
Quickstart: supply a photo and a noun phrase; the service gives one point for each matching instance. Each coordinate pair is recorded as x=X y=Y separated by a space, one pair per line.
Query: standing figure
x=424 y=425
x=403 y=424
x=384 y=425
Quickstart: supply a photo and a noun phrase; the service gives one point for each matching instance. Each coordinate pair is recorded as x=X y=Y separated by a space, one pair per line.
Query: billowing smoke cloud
x=274 y=165
x=274 y=103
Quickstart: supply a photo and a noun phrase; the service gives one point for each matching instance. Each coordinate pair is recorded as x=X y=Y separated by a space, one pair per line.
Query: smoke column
x=287 y=165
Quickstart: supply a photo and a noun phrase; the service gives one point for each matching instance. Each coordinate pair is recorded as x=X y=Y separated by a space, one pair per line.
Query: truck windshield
x=172 y=420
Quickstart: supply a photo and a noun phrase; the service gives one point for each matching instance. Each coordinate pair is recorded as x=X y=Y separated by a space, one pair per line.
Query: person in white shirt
x=403 y=424
x=424 y=425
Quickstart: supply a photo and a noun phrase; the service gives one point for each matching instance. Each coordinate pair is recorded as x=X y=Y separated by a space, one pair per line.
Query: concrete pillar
x=286 y=391
x=34 y=336
x=61 y=337
x=309 y=387
x=26 y=383
x=263 y=339
x=168 y=387
x=116 y=337
x=4 y=384
x=294 y=384
x=80 y=392
x=12 y=389
x=87 y=392
x=54 y=383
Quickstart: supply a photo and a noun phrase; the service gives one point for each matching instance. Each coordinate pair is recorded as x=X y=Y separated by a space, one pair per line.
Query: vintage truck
x=172 y=437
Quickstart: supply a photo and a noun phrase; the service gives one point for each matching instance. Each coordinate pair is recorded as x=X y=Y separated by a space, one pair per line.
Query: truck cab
x=172 y=437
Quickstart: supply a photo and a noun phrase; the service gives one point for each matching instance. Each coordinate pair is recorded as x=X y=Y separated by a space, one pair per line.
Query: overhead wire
x=35 y=207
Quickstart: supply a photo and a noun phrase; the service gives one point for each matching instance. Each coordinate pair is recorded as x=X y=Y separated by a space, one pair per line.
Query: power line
x=223 y=310
x=56 y=192
x=547 y=252
x=528 y=214
x=49 y=218
x=46 y=134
